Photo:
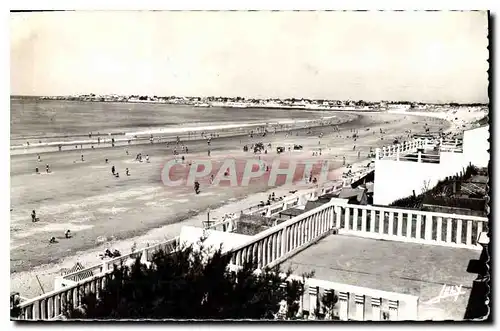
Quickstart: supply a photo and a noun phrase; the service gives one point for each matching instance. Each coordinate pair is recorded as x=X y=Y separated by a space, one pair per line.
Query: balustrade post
x=393 y=310
x=363 y=220
x=381 y=222
x=331 y=217
x=391 y=224
x=373 y=219
x=276 y=247
x=400 y=225
x=376 y=311
x=377 y=153
x=359 y=301
x=355 y=219
x=459 y=232
x=284 y=241
x=57 y=305
x=313 y=301
x=419 y=160
x=338 y=215
x=418 y=233
x=347 y=219
x=468 y=238
x=428 y=227
x=344 y=306
x=439 y=229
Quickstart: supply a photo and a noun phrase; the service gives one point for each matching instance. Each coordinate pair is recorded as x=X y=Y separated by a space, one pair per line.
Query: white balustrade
x=388 y=223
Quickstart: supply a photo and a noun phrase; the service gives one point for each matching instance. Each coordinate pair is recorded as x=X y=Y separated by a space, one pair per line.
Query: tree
x=192 y=284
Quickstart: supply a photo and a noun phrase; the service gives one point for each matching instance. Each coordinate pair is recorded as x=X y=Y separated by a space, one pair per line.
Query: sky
x=414 y=56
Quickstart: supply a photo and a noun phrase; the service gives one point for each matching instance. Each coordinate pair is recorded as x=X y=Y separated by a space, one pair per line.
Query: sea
x=33 y=119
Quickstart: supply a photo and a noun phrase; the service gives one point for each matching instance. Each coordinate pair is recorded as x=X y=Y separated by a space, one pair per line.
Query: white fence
x=411 y=225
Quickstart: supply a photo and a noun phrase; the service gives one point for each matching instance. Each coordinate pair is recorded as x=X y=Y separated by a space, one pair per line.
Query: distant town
x=240 y=102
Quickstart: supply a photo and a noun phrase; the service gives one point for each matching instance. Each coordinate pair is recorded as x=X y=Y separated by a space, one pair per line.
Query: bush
x=189 y=284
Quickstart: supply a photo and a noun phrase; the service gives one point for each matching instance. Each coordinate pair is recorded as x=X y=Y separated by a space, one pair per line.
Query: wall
x=476 y=146
x=397 y=179
x=191 y=235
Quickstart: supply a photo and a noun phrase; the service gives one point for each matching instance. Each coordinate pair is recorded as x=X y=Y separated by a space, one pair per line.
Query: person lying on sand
x=52 y=240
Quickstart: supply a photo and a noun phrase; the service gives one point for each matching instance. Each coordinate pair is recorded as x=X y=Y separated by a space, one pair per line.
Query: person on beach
x=52 y=240
x=147 y=158
x=196 y=187
x=36 y=171
x=47 y=168
x=359 y=154
x=113 y=170
x=117 y=175
x=98 y=140
x=106 y=161
x=208 y=152
x=38 y=157
x=60 y=147
x=343 y=160
x=127 y=172
x=90 y=134
x=67 y=234
x=126 y=151
x=83 y=159
x=33 y=216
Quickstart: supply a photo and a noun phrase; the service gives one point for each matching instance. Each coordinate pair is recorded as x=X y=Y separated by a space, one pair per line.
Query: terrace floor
x=407 y=268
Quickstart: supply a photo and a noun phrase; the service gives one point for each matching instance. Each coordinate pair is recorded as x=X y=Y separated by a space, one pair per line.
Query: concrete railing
x=145 y=253
x=410 y=225
x=274 y=245
x=406 y=147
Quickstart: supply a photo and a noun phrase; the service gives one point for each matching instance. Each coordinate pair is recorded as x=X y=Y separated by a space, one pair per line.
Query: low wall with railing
x=398 y=151
x=404 y=225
